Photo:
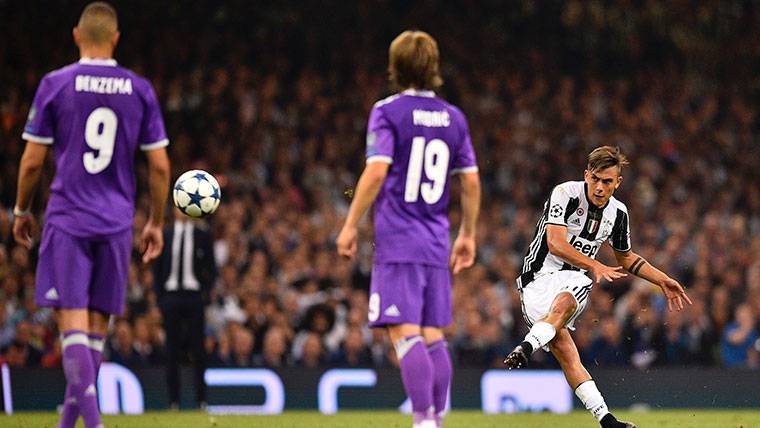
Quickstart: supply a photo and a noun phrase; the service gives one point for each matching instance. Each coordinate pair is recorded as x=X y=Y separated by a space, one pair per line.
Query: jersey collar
x=591 y=205
x=419 y=93
x=98 y=61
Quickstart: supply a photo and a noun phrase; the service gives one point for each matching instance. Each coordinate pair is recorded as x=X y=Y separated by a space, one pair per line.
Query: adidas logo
x=51 y=294
x=90 y=390
x=576 y=221
x=392 y=311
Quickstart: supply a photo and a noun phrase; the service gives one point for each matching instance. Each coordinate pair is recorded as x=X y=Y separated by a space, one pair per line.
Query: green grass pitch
x=697 y=418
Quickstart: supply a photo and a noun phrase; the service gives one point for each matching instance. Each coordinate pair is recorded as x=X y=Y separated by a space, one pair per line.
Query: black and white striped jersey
x=588 y=226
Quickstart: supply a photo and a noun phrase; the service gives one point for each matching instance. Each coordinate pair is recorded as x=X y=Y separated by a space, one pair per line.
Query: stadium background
x=273 y=98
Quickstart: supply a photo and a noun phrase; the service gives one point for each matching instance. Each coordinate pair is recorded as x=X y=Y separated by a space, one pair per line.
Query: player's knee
x=432 y=334
x=564 y=305
x=400 y=331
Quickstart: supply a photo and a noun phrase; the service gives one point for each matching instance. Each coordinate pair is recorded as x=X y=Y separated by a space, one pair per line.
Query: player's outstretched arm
x=635 y=264
x=556 y=240
x=29 y=170
x=464 y=248
x=370 y=183
x=152 y=239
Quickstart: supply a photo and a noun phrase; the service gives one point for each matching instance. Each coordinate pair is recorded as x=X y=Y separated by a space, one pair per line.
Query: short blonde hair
x=413 y=61
x=606 y=156
x=98 y=23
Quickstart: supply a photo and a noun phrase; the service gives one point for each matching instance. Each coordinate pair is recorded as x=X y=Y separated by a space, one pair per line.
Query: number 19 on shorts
x=433 y=157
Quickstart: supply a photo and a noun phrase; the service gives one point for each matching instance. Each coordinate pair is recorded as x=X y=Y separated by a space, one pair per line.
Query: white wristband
x=18 y=212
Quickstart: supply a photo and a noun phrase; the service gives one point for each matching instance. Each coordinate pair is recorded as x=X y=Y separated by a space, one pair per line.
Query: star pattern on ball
x=556 y=210
x=195 y=198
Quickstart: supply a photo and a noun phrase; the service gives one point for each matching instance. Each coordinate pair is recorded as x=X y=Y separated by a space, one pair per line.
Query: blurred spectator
x=739 y=338
x=353 y=352
x=121 y=349
x=7 y=328
x=697 y=335
x=54 y=357
x=313 y=354
x=242 y=348
x=274 y=351
x=144 y=344
x=26 y=345
x=221 y=353
x=16 y=355
x=607 y=349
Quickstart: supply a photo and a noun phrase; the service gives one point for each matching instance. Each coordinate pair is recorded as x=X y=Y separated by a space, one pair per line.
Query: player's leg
x=98 y=322
x=550 y=303
x=396 y=302
x=416 y=371
x=564 y=350
x=436 y=315
x=543 y=331
x=78 y=368
x=64 y=272
x=98 y=328
x=170 y=306
x=438 y=350
x=197 y=336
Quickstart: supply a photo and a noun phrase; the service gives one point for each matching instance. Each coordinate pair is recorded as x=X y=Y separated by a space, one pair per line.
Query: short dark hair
x=413 y=61
x=98 y=22
x=606 y=156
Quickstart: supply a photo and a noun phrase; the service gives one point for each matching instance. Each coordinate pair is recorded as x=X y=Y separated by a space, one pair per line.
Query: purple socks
x=417 y=375
x=439 y=356
x=81 y=358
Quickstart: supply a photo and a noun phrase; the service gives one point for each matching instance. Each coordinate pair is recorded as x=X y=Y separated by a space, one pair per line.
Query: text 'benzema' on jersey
x=588 y=226
x=95 y=114
x=425 y=140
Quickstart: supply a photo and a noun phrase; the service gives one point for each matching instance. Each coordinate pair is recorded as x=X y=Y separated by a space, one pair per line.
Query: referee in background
x=183 y=277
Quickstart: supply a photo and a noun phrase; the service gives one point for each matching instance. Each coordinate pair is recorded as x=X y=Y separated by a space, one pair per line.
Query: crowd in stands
x=274 y=102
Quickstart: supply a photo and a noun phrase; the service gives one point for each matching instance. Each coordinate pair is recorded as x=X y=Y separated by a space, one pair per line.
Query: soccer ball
x=197 y=193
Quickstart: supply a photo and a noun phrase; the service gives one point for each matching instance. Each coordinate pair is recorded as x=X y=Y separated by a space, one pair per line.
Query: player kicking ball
x=578 y=217
x=415 y=142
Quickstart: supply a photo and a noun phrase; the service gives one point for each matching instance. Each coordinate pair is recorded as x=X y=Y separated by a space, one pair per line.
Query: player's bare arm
x=556 y=239
x=152 y=239
x=370 y=183
x=637 y=265
x=464 y=248
x=28 y=176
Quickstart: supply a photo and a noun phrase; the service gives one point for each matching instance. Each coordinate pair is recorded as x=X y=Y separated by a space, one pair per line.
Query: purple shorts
x=83 y=273
x=407 y=293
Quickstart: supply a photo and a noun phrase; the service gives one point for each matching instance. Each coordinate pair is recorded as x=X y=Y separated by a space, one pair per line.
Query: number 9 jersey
x=95 y=115
x=425 y=140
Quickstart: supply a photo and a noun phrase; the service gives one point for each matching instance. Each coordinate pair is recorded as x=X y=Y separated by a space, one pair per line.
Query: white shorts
x=538 y=295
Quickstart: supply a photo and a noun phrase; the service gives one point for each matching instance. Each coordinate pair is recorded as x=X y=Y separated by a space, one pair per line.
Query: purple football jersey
x=425 y=140
x=96 y=115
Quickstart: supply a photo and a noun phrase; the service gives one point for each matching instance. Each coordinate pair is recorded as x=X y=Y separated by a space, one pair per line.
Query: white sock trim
x=96 y=344
x=540 y=334
x=589 y=394
x=404 y=345
x=74 y=339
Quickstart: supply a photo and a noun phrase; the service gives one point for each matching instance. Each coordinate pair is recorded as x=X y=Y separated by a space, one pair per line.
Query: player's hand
x=462 y=253
x=347 y=242
x=675 y=294
x=23 y=227
x=151 y=241
x=601 y=272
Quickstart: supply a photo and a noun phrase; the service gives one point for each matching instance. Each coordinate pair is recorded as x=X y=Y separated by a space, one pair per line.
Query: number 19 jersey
x=95 y=115
x=425 y=140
